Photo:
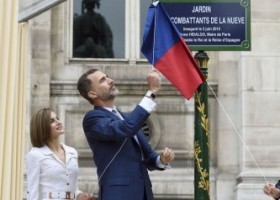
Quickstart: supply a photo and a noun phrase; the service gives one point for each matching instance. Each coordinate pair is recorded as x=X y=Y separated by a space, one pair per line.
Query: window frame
x=132 y=36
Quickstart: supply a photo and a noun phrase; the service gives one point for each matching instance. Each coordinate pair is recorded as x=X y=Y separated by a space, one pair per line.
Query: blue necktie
x=135 y=137
x=117 y=113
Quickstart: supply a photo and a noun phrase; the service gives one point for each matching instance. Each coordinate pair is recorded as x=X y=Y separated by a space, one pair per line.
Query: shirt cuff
x=160 y=165
x=148 y=104
x=77 y=192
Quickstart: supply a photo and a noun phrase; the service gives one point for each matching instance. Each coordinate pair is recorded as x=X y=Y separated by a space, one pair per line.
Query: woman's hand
x=85 y=196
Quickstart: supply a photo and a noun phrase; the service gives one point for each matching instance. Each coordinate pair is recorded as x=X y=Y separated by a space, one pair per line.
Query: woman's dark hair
x=40 y=127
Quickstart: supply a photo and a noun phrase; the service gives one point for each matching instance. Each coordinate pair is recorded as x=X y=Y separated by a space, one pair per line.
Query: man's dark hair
x=84 y=85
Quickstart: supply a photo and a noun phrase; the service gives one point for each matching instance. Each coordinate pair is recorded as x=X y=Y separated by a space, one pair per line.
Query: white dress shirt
x=48 y=175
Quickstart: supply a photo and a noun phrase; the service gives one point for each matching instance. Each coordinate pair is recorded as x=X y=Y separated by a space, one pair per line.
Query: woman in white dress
x=52 y=167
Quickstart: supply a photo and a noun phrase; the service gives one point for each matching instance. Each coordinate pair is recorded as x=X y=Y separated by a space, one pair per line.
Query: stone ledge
x=127 y=88
x=174 y=183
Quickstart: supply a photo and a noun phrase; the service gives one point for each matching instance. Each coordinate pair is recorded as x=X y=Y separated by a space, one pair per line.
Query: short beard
x=110 y=96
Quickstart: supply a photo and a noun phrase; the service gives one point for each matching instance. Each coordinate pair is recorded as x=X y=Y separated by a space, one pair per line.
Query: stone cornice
x=127 y=88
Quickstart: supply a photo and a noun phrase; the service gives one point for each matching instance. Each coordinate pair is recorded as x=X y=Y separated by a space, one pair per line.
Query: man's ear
x=92 y=95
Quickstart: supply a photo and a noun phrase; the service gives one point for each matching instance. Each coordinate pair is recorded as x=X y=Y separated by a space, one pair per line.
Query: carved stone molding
x=127 y=88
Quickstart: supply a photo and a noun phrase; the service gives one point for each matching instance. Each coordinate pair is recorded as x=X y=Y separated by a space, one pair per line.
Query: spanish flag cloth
x=166 y=50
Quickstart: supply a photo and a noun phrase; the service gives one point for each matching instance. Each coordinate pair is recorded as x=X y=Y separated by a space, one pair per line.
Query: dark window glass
x=98 y=28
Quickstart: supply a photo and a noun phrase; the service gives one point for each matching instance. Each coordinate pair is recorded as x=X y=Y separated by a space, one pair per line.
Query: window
x=98 y=28
x=108 y=29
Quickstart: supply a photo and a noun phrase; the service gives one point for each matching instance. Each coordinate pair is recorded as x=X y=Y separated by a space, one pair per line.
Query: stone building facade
x=244 y=122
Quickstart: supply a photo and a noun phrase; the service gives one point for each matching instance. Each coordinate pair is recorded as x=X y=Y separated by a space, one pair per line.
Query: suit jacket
x=126 y=177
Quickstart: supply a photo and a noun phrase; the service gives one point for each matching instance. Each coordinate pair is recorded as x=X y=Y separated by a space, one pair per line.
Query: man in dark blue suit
x=121 y=152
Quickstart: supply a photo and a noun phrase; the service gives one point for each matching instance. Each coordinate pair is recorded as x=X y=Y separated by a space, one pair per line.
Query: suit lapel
x=110 y=114
x=138 y=135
